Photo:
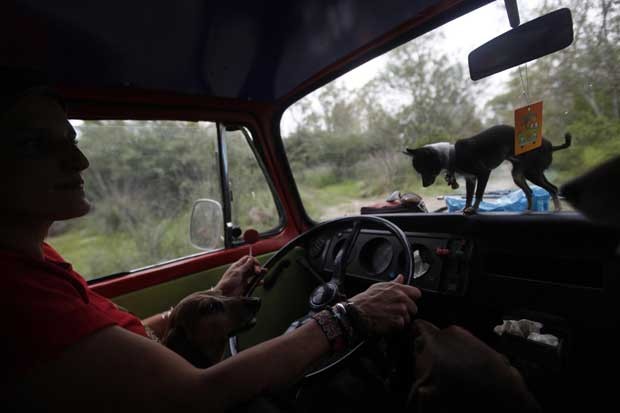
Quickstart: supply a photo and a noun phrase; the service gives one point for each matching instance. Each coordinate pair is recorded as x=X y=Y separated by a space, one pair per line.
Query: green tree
x=142 y=181
x=342 y=135
x=435 y=96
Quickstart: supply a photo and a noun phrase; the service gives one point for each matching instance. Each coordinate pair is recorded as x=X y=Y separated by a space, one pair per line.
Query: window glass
x=345 y=141
x=142 y=181
x=253 y=204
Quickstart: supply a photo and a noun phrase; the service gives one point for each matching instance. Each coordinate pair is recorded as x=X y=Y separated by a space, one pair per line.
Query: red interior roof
x=250 y=50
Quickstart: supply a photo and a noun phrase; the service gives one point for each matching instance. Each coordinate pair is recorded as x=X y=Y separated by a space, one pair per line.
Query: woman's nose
x=75 y=159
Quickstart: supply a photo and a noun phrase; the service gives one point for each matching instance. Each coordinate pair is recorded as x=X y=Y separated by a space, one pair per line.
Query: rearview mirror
x=206 y=227
x=531 y=40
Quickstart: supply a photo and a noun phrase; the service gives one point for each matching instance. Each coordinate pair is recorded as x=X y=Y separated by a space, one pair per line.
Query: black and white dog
x=474 y=158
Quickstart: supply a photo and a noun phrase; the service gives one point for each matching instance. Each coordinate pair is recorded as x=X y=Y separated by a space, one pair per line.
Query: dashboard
x=543 y=261
x=558 y=269
x=441 y=261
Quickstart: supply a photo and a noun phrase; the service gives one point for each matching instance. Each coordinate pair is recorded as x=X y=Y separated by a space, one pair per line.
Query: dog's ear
x=176 y=340
x=410 y=152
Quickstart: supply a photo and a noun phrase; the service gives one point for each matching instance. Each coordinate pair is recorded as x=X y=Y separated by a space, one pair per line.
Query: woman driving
x=69 y=348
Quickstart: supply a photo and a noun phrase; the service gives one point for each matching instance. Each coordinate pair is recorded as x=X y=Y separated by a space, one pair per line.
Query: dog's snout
x=253 y=302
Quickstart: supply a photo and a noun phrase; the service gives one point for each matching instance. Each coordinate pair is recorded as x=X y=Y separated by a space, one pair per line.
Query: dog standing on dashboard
x=201 y=324
x=474 y=158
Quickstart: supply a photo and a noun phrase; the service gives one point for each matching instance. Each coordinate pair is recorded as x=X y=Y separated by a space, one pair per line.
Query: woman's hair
x=17 y=82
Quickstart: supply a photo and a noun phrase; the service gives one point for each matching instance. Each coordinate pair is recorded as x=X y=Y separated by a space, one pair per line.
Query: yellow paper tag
x=528 y=128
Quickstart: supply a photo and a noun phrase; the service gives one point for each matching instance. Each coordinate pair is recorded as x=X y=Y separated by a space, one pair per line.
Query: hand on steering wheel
x=386 y=307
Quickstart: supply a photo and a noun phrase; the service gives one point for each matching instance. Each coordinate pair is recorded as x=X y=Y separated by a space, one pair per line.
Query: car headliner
x=266 y=51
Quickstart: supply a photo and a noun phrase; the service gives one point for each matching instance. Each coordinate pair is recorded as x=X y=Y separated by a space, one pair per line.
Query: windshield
x=345 y=141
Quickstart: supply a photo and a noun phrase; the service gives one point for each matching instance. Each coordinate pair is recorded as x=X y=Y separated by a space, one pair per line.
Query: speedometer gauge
x=376 y=255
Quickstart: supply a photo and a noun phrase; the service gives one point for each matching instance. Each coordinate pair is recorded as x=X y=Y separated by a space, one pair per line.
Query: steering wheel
x=329 y=292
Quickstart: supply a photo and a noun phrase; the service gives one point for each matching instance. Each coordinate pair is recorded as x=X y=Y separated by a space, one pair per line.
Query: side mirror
x=531 y=40
x=206 y=226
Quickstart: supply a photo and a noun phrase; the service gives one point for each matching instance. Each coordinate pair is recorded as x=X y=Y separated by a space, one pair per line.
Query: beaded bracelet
x=332 y=330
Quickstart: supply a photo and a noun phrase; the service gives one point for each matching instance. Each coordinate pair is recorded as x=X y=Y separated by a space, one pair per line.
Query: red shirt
x=46 y=306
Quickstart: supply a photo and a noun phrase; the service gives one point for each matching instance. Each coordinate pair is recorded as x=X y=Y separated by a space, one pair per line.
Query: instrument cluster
x=441 y=261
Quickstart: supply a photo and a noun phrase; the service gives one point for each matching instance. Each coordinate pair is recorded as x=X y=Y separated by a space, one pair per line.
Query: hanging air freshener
x=528 y=128
x=528 y=121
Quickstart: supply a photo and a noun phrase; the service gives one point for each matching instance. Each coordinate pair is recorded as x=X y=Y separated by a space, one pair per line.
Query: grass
x=317 y=199
x=95 y=253
x=347 y=194
x=83 y=248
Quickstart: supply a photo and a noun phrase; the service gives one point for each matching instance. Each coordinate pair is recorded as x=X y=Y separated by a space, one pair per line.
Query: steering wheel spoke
x=342 y=258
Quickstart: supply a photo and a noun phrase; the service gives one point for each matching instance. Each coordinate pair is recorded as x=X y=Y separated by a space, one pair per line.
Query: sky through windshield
x=471 y=34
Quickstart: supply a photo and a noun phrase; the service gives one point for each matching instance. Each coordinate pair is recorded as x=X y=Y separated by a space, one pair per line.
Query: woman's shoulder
x=50 y=253
x=11 y=257
x=25 y=276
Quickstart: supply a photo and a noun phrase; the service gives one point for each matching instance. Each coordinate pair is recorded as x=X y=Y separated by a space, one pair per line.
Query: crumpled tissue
x=527 y=329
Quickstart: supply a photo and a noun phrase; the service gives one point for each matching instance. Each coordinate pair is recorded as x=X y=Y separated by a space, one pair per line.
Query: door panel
x=157 y=298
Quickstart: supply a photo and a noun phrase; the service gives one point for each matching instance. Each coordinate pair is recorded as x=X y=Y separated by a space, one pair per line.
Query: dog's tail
x=567 y=141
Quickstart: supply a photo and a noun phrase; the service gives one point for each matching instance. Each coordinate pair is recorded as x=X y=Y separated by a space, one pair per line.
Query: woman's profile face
x=40 y=163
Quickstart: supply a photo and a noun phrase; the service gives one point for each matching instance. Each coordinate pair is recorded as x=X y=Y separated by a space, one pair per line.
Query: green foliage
x=252 y=200
x=141 y=196
x=357 y=136
x=321 y=176
x=596 y=139
x=438 y=100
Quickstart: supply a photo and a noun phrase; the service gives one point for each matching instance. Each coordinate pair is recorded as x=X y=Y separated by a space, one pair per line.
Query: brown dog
x=456 y=372
x=202 y=322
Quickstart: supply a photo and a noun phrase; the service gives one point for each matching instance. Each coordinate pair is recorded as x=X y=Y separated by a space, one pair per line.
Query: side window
x=253 y=204
x=144 y=177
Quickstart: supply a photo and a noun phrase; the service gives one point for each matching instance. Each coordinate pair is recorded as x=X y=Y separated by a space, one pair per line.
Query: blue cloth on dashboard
x=509 y=200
